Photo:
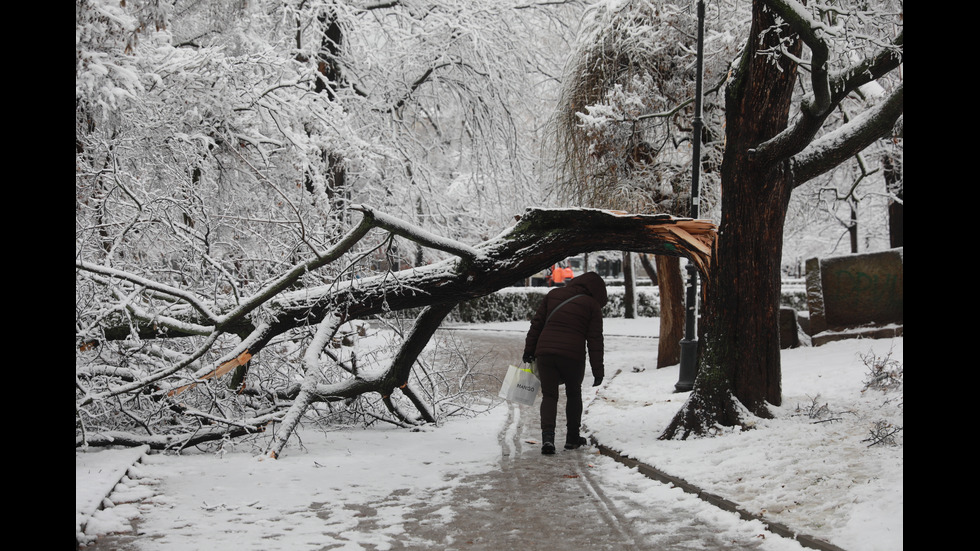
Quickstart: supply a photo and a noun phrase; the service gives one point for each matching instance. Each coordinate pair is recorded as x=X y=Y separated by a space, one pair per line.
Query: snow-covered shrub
x=520 y=303
x=794 y=298
x=647 y=302
x=510 y=304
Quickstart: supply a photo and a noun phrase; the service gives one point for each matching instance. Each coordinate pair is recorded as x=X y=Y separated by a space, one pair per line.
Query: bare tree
x=780 y=131
x=776 y=140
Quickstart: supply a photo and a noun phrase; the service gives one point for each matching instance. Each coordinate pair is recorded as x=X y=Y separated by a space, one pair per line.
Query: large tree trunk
x=540 y=239
x=740 y=354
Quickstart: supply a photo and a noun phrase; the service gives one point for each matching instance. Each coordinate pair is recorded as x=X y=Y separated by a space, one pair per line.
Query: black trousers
x=555 y=371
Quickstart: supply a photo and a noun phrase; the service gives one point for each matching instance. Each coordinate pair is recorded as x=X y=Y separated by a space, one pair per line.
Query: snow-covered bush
x=520 y=303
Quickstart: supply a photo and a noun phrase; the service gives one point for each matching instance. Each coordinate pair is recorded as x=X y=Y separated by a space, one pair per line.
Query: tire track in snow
x=605 y=506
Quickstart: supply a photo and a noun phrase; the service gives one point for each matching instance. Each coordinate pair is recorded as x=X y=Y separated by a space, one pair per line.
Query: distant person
x=568 y=322
x=568 y=273
x=557 y=276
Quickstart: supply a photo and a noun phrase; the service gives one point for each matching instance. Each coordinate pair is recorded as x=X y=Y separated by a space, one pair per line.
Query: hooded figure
x=568 y=322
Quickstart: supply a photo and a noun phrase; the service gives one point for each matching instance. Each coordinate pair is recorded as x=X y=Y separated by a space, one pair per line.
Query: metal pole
x=689 y=344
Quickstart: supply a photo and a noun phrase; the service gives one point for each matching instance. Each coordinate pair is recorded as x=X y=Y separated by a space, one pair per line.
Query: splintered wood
x=697 y=236
x=241 y=359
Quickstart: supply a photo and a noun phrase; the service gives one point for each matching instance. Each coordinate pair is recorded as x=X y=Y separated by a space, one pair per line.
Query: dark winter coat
x=574 y=327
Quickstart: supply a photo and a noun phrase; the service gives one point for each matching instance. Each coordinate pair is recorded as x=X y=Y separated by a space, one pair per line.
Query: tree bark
x=671 y=310
x=745 y=282
x=852 y=228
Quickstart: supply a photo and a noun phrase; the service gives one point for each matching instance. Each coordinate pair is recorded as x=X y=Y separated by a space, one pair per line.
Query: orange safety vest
x=557 y=274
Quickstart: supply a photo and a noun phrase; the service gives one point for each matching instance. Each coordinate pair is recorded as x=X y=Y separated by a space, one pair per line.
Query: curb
x=651 y=472
x=122 y=471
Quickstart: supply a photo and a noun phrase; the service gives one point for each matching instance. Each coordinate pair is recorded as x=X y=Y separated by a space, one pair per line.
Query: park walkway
x=567 y=502
x=575 y=500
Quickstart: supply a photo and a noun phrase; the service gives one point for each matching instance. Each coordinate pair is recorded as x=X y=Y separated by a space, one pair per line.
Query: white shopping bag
x=520 y=385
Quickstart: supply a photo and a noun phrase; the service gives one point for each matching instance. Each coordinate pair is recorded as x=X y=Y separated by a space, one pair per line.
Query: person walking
x=566 y=326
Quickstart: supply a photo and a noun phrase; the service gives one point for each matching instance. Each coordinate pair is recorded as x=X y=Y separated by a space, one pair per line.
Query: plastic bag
x=520 y=385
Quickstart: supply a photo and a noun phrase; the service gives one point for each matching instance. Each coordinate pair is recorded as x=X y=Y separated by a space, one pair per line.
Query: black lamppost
x=689 y=344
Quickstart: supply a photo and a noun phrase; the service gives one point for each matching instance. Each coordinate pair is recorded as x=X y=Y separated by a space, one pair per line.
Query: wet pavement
x=561 y=502
x=566 y=501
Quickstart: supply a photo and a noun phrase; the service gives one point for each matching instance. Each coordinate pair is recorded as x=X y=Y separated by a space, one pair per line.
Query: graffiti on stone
x=862 y=289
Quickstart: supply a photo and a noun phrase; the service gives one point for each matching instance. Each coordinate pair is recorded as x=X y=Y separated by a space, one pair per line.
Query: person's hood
x=593 y=285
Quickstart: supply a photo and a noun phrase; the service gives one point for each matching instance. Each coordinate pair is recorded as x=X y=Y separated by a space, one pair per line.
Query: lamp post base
x=689 y=366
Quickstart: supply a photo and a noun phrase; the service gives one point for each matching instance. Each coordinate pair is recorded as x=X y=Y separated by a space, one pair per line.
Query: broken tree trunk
x=541 y=237
x=671 y=310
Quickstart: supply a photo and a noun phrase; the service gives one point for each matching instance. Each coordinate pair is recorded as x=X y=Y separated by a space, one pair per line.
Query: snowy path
x=576 y=499
x=479 y=484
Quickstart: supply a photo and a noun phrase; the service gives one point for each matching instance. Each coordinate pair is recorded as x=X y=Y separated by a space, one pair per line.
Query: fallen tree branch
x=539 y=239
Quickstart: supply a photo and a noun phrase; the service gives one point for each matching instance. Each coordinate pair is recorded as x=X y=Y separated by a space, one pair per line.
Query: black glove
x=597 y=382
x=528 y=358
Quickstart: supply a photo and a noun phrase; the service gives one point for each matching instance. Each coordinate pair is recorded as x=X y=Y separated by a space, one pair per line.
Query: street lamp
x=689 y=344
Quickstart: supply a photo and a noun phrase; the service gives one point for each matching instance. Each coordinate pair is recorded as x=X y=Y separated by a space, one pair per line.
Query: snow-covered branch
x=829 y=87
x=417 y=234
x=197 y=302
x=218 y=154
x=151 y=378
x=833 y=148
x=811 y=31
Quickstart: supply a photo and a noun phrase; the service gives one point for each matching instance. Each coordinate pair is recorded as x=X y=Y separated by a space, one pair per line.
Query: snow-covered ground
x=810 y=468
